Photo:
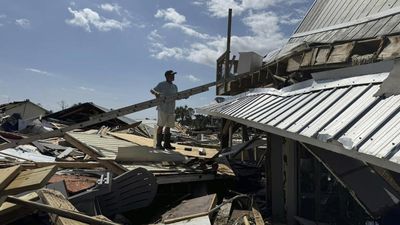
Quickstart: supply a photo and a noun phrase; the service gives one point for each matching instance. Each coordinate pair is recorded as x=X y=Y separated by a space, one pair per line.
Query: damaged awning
x=343 y=115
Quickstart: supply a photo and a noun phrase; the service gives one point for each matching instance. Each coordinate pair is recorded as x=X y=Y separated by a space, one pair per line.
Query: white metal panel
x=319 y=122
x=348 y=115
x=370 y=122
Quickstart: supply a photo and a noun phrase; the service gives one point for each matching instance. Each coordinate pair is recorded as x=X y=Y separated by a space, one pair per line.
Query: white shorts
x=165 y=119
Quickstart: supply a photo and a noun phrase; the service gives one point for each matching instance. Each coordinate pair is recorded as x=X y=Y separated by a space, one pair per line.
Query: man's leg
x=167 y=139
x=159 y=137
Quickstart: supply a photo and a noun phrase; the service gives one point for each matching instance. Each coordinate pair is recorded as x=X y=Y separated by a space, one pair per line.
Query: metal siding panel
x=341 y=35
x=364 y=30
x=263 y=107
x=397 y=3
x=371 y=121
x=324 y=14
x=389 y=26
x=356 y=10
x=345 y=14
x=250 y=107
x=383 y=141
x=293 y=114
x=272 y=106
x=319 y=8
x=334 y=12
x=340 y=10
x=363 y=13
x=376 y=28
x=271 y=114
x=315 y=111
x=242 y=101
x=351 y=112
x=357 y=28
x=250 y=104
x=311 y=15
x=388 y=5
x=396 y=29
x=378 y=7
x=330 y=113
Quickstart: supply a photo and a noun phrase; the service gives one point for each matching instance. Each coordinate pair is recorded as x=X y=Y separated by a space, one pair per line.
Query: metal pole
x=228 y=46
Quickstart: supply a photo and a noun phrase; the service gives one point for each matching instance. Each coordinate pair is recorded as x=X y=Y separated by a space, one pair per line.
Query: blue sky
x=113 y=52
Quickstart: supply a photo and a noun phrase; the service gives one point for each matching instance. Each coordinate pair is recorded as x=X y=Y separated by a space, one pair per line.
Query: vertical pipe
x=228 y=46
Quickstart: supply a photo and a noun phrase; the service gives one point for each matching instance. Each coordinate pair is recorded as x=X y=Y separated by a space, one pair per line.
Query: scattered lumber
x=30 y=180
x=10 y=212
x=60 y=212
x=112 y=166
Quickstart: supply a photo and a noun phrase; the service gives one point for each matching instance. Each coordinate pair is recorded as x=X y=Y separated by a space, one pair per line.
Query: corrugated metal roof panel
x=343 y=20
x=344 y=112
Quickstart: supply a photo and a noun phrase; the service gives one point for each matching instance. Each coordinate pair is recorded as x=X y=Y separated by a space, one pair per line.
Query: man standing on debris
x=166 y=110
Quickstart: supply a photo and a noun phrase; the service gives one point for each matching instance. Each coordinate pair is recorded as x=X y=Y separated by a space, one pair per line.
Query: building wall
x=27 y=110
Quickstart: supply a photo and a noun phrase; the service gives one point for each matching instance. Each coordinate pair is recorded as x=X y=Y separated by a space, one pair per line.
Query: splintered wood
x=7 y=175
x=57 y=200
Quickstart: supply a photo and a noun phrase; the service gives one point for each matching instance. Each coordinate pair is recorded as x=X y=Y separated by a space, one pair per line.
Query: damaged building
x=308 y=134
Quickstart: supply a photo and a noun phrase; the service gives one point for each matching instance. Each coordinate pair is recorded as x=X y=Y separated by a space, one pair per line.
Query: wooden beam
x=30 y=180
x=7 y=175
x=61 y=212
x=66 y=165
x=10 y=212
x=110 y=165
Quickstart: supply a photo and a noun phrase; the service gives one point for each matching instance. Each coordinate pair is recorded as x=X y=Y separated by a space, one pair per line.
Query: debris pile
x=110 y=173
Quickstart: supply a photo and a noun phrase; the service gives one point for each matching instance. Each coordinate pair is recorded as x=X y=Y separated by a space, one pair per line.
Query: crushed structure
x=307 y=135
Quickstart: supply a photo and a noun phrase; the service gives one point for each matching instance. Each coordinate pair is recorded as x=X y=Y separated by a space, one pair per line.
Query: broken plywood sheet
x=203 y=220
x=147 y=154
x=30 y=179
x=56 y=199
x=142 y=141
x=191 y=208
x=392 y=50
x=294 y=63
x=7 y=175
x=341 y=53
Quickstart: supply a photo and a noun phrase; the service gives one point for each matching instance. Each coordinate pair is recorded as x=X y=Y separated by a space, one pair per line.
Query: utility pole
x=228 y=46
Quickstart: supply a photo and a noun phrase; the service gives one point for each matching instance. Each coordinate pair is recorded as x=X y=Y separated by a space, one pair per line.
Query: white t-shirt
x=166 y=89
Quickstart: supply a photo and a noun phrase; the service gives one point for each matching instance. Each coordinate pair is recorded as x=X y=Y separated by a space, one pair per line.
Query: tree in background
x=184 y=114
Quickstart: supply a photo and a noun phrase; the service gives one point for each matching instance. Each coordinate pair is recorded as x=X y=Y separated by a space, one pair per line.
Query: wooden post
x=228 y=48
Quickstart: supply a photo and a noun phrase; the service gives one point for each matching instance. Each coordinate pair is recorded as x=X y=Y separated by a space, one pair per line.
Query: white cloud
x=154 y=36
x=111 y=8
x=219 y=8
x=2 y=16
x=24 y=23
x=192 y=78
x=40 y=72
x=171 y=15
x=186 y=29
x=87 y=18
x=265 y=36
x=86 y=89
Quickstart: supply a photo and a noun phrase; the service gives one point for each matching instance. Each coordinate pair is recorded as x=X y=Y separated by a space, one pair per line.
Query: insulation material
x=340 y=53
x=392 y=50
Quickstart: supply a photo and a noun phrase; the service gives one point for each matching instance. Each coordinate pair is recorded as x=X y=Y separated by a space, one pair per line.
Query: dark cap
x=169 y=72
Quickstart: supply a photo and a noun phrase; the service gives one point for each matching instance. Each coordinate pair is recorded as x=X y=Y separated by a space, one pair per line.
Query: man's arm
x=154 y=92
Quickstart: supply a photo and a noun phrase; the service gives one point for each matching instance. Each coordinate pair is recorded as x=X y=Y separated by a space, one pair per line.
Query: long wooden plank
x=112 y=166
x=192 y=208
x=30 y=180
x=113 y=114
x=7 y=175
x=10 y=212
x=210 y=152
x=61 y=212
